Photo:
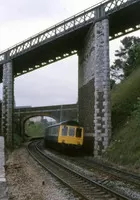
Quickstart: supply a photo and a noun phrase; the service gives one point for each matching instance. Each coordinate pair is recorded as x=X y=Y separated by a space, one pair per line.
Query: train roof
x=68 y=122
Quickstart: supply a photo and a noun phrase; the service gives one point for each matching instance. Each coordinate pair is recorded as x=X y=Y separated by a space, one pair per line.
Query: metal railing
x=75 y=22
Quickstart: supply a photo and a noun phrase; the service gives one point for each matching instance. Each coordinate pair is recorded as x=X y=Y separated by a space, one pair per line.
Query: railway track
x=92 y=165
x=81 y=185
x=118 y=173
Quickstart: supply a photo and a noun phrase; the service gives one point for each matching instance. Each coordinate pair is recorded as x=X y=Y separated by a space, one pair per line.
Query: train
x=67 y=135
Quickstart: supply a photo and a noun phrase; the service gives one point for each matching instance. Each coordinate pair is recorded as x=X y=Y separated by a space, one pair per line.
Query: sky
x=56 y=83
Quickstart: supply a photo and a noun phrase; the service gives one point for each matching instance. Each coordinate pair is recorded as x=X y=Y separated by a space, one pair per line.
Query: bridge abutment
x=7 y=104
x=86 y=88
x=94 y=86
x=102 y=109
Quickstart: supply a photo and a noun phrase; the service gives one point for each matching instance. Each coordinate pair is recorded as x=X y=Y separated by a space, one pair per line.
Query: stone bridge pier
x=94 y=86
x=8 y=104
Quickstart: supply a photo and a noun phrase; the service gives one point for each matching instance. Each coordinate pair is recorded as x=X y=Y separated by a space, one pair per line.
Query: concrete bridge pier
x=94 y=86
x=7 y=104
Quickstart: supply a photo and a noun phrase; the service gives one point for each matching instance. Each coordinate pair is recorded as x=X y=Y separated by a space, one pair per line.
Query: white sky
x=56 y=83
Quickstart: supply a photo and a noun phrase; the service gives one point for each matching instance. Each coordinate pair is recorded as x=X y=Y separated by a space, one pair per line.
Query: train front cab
x=71 y=135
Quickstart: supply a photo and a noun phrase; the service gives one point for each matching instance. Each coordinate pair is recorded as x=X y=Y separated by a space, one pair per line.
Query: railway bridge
x=57 y=112
x=86 y=34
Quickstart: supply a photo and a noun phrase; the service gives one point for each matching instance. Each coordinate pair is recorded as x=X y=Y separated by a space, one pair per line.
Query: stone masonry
x=7 y=104
x=4 y=102
x=3 y=184
x=102 y=118
x=86 y=88
x=94 y=86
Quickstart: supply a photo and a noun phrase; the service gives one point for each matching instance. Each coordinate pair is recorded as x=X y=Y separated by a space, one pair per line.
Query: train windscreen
x=64 y=130
x=78 y=132
x=71 y=131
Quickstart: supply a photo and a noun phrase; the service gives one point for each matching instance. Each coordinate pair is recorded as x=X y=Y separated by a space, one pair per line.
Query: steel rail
x=93 y=186
x=46 y=168
x=119 y=173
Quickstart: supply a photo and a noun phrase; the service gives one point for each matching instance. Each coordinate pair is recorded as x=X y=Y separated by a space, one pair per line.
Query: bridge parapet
x=46 y=108
x=73 y=23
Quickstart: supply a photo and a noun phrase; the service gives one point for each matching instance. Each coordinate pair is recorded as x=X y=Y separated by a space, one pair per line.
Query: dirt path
x=28 y=181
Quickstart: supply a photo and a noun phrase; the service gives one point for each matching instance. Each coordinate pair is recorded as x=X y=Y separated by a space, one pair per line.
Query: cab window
x=64 y=131
x=71 y=131
x=78 y=132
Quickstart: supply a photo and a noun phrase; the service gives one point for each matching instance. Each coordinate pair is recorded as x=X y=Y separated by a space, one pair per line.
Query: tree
x=128 y=58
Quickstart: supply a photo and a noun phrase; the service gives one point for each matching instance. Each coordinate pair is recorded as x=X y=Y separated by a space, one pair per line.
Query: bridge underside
x=124 y=19
x=65 y=45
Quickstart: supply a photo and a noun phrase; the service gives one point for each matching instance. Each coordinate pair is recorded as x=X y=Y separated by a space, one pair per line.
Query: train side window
x=71 y=131
x=78 y=132
x=64 y=131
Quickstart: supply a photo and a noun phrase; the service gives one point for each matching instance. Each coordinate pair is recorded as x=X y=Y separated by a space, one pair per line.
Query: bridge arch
x=57 y=112
x=25 y=118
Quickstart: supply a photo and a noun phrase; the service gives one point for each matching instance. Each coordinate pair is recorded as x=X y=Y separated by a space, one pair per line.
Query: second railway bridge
x=57 y=112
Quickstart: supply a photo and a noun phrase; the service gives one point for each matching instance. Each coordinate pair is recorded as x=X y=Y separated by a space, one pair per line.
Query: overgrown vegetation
x=124 y=97
x=125 y=145
x=34 y=129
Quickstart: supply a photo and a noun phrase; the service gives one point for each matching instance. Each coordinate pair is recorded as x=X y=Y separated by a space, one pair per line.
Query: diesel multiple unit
x=64 y=135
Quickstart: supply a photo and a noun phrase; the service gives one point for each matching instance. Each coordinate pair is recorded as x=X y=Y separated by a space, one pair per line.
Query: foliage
x=34 y=129
x=124 y=97
x=125 y=148
x=112 y=83
x=128 y=58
